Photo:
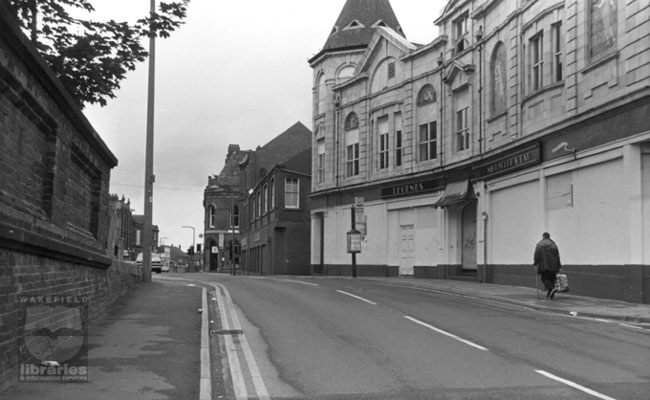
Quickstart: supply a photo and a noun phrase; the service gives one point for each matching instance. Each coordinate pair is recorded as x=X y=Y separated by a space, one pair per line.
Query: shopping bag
x=562 y=283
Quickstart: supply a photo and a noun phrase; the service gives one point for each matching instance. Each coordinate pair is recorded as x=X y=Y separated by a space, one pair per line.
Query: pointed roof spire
x=357 y=23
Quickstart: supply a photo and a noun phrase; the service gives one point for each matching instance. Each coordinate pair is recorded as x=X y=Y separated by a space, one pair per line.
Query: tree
x=91 y=58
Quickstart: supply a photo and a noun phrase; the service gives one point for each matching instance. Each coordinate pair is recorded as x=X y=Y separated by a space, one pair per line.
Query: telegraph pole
x=147 y=234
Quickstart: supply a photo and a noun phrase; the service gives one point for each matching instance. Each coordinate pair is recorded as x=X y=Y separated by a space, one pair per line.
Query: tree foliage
x=91 y=58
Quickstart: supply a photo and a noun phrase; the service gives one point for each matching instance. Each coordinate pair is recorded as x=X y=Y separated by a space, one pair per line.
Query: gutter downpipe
x=442 y=118
x=479 y=37
x=485 y=222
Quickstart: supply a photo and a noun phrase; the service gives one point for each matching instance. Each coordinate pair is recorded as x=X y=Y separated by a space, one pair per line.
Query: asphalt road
x=359 y=339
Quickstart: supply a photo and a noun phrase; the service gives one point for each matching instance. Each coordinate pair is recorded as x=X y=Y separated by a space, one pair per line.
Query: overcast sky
x=235 y=73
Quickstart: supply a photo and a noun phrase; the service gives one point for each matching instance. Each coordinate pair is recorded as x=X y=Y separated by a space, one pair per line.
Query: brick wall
x=24 y=275
x=54 y=214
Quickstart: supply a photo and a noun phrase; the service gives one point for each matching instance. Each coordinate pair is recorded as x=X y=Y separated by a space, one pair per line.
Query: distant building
x=227 y=196
x=275 y=229
x=137 y=227
x=120 y=234
x=275 y=182
x=521 y=117
x=222 y=213
x=178 y=260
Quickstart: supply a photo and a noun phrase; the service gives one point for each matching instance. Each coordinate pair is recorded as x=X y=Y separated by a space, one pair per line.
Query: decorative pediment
x=455 y=69
x=384 y=37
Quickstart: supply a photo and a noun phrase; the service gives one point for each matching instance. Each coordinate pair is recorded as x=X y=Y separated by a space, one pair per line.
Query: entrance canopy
x=456 y=193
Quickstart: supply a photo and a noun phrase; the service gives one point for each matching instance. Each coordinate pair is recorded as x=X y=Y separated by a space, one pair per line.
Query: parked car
x=156 y=262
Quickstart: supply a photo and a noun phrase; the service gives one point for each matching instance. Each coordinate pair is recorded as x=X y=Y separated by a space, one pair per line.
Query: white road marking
x=574 y=385
x=238 y=383
x=205 y=388
x=357 y=297
x=451 y=335
x=602 y=320
x=629 y=326
x=301 y=282
x=256 y=375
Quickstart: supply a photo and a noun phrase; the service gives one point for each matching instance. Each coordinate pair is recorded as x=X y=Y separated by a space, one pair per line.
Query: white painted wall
x=374 y=250
x=515 y=223
x=595 y=230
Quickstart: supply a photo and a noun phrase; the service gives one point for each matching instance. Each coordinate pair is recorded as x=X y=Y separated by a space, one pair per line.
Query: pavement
x=526 y=297
x=147 y=345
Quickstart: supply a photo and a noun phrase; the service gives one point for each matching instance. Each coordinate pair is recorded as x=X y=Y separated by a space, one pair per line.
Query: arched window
x=352 y=144
x=235 y=216
x=385 y=75
x=320 y=94
x=426 y=95
x=351 y=121
x=212 y=215
x=345 y=73
x=498 y=79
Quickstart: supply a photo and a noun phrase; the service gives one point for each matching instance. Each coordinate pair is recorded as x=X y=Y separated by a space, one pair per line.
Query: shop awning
x=456 y=193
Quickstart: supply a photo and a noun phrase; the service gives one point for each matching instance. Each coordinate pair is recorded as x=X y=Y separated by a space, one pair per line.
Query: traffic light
x=198 y=248
x=190 y=250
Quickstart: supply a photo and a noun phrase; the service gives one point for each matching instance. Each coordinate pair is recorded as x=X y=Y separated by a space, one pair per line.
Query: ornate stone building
x=520 y=117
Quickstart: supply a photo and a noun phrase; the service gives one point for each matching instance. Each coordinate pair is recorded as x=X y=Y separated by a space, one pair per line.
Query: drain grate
x=214 y=332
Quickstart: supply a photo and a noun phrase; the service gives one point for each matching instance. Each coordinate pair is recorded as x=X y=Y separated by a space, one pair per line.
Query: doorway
x=469 y=237
x=213 y=252
x=406 y=249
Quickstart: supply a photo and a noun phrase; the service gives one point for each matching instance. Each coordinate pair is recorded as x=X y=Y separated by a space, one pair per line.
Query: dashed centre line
x=300 y=282
x=443 y=332
x=357 y=297
x=574 y=385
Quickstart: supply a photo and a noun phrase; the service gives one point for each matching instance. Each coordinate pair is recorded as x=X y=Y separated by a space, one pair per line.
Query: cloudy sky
x=237 y=73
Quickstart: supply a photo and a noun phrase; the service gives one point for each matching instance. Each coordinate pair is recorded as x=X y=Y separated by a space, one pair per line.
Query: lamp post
x=147 y=236
x=193 y=243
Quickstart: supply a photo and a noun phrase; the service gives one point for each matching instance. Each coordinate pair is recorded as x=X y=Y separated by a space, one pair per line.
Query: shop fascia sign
x=411 y=186
x=494 y=166
x=519 y=159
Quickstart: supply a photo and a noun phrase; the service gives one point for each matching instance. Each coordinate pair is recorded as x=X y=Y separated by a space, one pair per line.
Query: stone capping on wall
x=33 y=243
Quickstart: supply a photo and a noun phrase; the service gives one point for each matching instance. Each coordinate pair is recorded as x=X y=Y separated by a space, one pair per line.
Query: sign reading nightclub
x=519 y=159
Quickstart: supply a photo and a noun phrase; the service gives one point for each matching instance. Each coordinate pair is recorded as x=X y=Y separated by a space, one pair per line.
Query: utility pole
x=147 y=235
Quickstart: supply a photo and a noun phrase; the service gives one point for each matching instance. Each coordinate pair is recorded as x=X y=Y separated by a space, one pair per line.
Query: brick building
x=125 y=230
x=137 y=226
x=275 y=228
x=521 y=117
x=228 y=222
x=222 y=213
x=54 y=203
x=120 y=234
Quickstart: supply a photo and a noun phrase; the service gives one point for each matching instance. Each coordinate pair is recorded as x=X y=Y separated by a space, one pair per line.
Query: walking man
x=547 y=260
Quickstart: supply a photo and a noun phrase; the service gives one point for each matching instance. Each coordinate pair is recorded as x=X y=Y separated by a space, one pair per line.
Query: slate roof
x=365 y=14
